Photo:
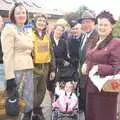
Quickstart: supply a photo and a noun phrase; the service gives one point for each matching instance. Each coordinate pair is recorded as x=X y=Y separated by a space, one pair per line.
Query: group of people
x=33 y=58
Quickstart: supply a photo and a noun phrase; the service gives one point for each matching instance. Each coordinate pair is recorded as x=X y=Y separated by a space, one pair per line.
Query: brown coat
x=17 y=47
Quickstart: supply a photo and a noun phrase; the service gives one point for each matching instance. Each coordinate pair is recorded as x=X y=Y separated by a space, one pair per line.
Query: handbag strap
x=21 y=85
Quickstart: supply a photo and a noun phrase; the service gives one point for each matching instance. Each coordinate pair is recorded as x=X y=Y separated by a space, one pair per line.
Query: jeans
x=2 y=79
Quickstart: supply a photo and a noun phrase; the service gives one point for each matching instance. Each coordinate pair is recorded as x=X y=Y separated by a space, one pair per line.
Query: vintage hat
x=107 y=15
x=88 y=15
x=72 y=23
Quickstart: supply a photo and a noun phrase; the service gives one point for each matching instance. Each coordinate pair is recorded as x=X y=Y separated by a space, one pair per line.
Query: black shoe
x=27 y=116
x=35 y=117
x=38 y=117
x=37 y=114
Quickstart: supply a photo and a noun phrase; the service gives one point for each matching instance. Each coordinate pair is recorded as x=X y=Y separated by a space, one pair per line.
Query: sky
x=112 y=6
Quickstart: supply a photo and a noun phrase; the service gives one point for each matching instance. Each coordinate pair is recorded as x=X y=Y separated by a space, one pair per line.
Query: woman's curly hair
x=107 y=15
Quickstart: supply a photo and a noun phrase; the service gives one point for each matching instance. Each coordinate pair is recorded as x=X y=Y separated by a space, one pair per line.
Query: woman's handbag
x=12 y=106
x=4 y=104
x=112 y=85
x=108 y=83
x=3 y=96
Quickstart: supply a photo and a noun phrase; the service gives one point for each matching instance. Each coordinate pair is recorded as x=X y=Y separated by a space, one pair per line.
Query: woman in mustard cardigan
x=43 y=62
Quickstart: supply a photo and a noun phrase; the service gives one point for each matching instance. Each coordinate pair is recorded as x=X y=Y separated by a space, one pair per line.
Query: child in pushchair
x=65 y=103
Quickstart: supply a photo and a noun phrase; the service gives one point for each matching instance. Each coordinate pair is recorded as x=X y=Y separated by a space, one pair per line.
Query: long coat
x=60 y=51
x=102 y=105
x=74 y=46
x=93 y=37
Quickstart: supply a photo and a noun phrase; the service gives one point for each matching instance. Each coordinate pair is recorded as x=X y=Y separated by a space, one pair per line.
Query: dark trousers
x=82 y=100
x=39 y=88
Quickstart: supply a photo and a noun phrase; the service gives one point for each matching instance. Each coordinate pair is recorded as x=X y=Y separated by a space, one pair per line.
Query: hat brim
x=87 y=18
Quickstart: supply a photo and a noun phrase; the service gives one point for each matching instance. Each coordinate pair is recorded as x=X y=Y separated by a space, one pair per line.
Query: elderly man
x=74 y=45
x=89 y=36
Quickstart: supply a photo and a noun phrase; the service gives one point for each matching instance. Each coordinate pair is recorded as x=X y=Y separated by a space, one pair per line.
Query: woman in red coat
x=106 y=57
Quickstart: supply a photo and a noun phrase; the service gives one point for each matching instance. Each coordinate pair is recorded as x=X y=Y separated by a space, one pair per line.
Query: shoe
x=35 y=117
x=27 y=116
x=37 y=114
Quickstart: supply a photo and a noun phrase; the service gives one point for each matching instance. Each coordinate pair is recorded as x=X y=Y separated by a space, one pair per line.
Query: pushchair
x=65 y=102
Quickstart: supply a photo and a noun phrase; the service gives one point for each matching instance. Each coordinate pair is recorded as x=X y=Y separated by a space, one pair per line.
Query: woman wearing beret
x=105 y=57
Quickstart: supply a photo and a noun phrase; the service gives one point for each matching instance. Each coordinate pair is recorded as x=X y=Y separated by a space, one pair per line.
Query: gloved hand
x=11 y=84
x=11 y=87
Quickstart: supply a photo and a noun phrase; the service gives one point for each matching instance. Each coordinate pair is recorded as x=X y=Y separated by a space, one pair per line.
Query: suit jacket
x=60 y=51
x=17 y=47
x=74 y=46
x=91 y=40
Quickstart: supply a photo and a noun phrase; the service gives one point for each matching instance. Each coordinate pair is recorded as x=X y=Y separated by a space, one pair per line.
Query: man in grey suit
x=88 y=39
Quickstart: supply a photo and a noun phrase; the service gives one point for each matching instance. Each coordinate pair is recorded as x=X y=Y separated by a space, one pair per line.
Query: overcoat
x=102 y=105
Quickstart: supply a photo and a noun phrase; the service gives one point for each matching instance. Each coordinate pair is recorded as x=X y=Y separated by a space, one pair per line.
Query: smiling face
x=104 y=27
x=41 y=23
x=20 y=15
x=87 y=25
x=76 y=30
x=58 y=31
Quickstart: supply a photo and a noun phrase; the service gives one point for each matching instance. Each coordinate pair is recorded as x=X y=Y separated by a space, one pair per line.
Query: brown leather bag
x=3 y=97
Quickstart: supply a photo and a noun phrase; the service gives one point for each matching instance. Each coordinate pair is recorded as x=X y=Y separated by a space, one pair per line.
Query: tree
x=77 y=14
x=82 y=9
x=116 y=30
x=72 y=16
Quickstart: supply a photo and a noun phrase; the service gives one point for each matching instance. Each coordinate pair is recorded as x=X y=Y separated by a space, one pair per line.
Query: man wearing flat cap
x=88 y=39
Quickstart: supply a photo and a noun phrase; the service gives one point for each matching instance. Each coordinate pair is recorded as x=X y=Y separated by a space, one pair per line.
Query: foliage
x=77 y=14
x=116 y=30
